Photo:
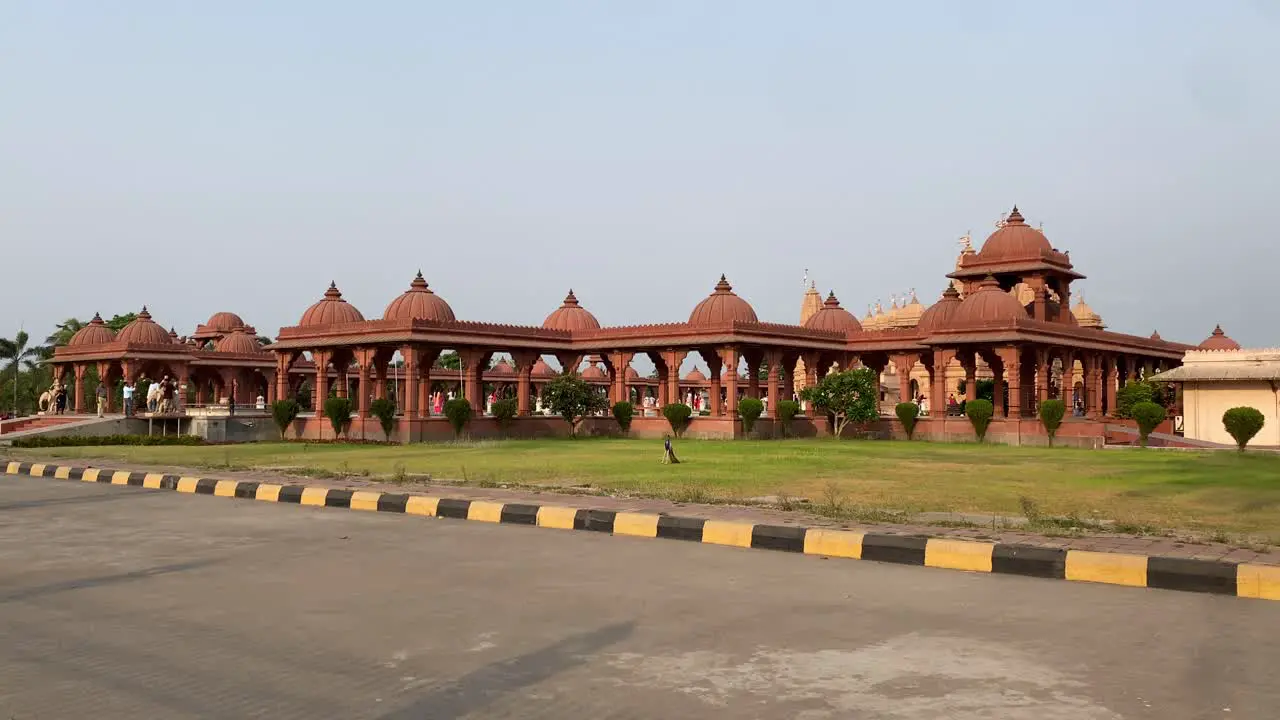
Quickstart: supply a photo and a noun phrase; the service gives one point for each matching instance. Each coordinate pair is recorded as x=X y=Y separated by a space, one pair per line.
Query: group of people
x=160 y=397
x=58 y=398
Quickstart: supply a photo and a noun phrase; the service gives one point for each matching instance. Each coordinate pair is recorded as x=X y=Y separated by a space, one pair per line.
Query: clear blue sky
x=239 y=155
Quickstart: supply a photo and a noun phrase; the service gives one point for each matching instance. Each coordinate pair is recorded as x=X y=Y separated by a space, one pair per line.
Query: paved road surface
x=126 y=603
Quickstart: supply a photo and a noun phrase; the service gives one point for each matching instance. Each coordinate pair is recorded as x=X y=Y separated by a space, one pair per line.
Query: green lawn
x=1208 y=492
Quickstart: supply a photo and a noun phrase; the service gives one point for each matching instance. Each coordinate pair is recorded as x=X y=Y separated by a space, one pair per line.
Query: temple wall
x=1203 y=404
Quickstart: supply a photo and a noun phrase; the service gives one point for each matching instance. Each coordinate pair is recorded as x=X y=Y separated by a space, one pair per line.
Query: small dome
x=988 y=304
x=722 y=306
x=940 y=315
x=542 y=369
x=237 y=341
x=95 y=333
x=631 y=374
x=593 y=372
x=418 y=303
x=144 y=331
x=833 y=318
x=571 y=316
x=1015 y=240
x=330 y=309
x=1219 y=341
x=1155 y=335
x=502 y=367
x=695 y=376
x=224 y=322
x=1085 y=316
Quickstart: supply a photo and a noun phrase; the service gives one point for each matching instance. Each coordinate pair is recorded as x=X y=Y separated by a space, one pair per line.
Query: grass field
x=1204 y=492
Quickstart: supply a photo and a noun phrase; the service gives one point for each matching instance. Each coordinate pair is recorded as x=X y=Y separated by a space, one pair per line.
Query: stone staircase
x=37 y=422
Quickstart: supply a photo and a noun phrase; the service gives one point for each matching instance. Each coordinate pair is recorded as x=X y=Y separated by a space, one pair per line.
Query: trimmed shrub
x=385 y=411
x=749 y=409
x=979 y=413
x=92 y=440
x=284 y=412
x=677 y=414
x=1148 y=415
x=1243 y=423
x=1051 y=414
x=623 y=412
x=338 y=410
x=504 y=411
x=907 y=413
x=573 y=399
x=786 y=412
x=458 y=410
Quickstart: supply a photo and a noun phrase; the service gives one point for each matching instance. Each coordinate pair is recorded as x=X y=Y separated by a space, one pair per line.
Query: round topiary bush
x=786 y=412
x=1051 y=414
x=338 y=410
x=1148 y=415
x=284 y=412
x=385 y=410
x=1243 y=423
x=677 y=414
x=458 y=410
x=623 y=412
x=979 y=413
x=749 y=409
x=907 y=413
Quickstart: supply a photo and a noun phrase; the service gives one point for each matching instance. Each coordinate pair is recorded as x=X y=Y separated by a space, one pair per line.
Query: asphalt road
x=118 y=602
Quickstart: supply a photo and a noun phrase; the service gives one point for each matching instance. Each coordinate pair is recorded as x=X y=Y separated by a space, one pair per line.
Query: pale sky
x=239 y=155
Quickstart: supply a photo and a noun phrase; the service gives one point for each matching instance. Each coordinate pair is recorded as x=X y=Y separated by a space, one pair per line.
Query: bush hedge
x=1243 y=423
x=1051 y=414
x=749 y=409
x=1148 y=415
x=907 y=413
x=677 y=414
x=623 y=412
x=979 y=413
x=787 y=411
x=90 y=440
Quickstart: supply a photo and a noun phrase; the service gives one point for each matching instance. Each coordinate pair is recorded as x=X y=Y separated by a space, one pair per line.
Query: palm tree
x=66 y=330
x=17 y=355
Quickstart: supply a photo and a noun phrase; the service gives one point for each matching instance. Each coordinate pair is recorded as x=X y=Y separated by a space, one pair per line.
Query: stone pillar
x=998 y=386
x=474 y=363
x=409 y=406
x=970 y=364
x=283 y=361
x=80 y=371
x=1109 y=386
x=673 y=360
x=938 y=383
x=773 y=361
x=321 y=390
x=663 y=384
x=1066 y=393
x=524 y=375
x=789 y=381
x=364 y=357
x=619 y=361
x=714 y=365
x=903 y=364
x=1012 y=361
x=729 y=356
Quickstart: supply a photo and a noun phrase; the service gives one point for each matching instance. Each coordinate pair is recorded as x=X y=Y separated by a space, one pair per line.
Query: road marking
x=187 y=484
x=421 y=505
x=225 y=488
x=365 y=500
x=62 y=472
x=120 y=477
x=12 y=468
x=268 y=493
x=958 y=554
x=554 y=516
x=637 y=524
x=833 y=543
x=1113 y=568
x=721 y=532
x=314 y=496
x=152 y=480
x=90 y=475
x=485 y=511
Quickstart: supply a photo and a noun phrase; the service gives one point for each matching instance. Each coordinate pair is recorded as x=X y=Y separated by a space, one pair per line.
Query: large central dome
x=988 y=304
x=1015 y=240
x=144 y=331
x=419 y=303
x=722 y=306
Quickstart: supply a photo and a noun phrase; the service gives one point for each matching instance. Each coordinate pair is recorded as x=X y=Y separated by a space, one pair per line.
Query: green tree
x=623 y=412
x=849 y=396
x=385 y=410
x=979 y=413
x=449 y=360
x=1138 y=391
x=504 y=411
x=338 y=410
x=786 y=412
x=572 y=398
x=284 y=412
x=1051 y=414
x=908 y=413
x=1243 y=423
x=458 y=410
x=117 y=322
x=17 y=356
x=749 y=409
x=1148 y=415
x=677 y=415
x=66 y=330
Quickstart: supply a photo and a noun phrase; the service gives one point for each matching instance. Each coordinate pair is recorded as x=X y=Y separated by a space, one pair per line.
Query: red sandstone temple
x=1033 y=350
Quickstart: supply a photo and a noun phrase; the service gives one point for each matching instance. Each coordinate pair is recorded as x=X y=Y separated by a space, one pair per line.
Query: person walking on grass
x=669 y=456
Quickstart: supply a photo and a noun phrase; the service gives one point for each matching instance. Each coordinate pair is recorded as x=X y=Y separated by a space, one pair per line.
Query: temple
x=1005 y=314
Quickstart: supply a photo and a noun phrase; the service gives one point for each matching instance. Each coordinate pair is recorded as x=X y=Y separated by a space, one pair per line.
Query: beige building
x=1214 y=381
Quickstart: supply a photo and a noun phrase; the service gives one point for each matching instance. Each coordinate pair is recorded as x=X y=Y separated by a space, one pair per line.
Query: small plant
x=749 y=409
x=338 y=410
x=849 y=396
x=504 y=411
x=572 y=398
x=1051 y=414
x=907 y=413
x=1243 y=423
x=786 y=412
x=623 y=412
x=833 y=499
x=1030 y=509
x=385 y=411
x=398 y=474
x=284 y=412
x=458 y=410
x=979 y=413
x=677 y=414
x=1148 y=415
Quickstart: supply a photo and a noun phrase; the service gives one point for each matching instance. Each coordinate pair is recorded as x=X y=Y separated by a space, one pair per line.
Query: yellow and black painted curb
x=1170 y=573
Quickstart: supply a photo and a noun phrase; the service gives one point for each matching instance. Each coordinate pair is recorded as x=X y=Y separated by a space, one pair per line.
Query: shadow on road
x=100 y=581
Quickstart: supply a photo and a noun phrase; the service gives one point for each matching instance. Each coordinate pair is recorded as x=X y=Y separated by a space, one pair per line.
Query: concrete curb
x=1208 y=576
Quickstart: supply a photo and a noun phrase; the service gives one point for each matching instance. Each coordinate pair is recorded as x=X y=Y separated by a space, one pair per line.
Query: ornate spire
x=723 y=287
x=570 y=300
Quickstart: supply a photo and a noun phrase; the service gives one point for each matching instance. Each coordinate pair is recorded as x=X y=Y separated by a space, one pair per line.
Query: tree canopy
x=572 y=398
x=849 y=396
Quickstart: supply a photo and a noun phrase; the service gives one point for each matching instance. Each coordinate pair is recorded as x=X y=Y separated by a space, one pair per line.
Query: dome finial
x=570 y=300
x=97 y=318
x=419 y=283
x=723 y=286
x=1015 y=217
